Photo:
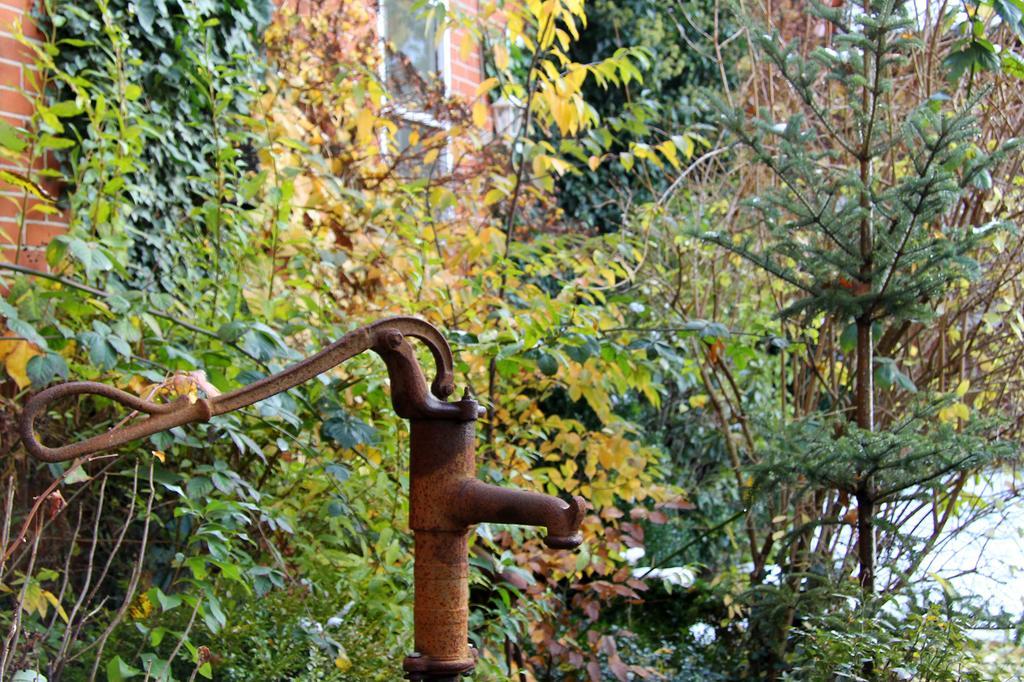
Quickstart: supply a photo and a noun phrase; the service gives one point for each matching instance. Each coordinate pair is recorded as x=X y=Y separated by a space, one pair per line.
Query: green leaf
x=24 y=329
x=65 y=109
x=156 y=635
x=77 y=475
x=198 y=487
x=1011 y=13
x=982 y=179
x=340 y=473
x=976 y=55
x=905 y=382
x=848 y=339
x=547 y=364
x=114 y=185
x=213 y=614
x=118 y=670
x=47 y=141
x=167 y=601
x=9 y=137
x=157 y=669
x=43 y=369
x=197 y=565
x=56 y=250
x=347 y=430
x=1013 y=64
x=90 y=256
x=101 y=353
x=232 y=331
x=264 y=343
x=145 y=11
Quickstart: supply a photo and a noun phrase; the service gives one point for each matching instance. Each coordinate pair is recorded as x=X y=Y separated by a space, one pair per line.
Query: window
x=415 y=62
x=415 y=69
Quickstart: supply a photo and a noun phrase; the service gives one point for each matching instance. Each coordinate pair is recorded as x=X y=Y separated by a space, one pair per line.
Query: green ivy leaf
x=145 y=11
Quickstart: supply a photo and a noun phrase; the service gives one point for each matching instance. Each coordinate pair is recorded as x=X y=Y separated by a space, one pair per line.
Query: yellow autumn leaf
x=6 y=347
x=493 y=196
x=668 y=150
x=560 y=112
x=500 y=57
x=953 y=412
x=480 y=114
x=364 y=126
x=962 y=388
x=160 y=455
x=141 y=386
x=593 y=162
x=16 y=361
x=486 y=85
x=699 y=400
x=34 y=601
x=574 y=79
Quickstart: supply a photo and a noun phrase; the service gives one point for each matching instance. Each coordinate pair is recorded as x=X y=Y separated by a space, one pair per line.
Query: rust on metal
x=445 y=497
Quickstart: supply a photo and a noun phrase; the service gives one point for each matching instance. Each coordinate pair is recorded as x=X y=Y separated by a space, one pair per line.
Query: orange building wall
x=17 y=217
x=466 y=64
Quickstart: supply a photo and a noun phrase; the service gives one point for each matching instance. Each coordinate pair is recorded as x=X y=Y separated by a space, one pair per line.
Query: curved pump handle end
x=163 y=416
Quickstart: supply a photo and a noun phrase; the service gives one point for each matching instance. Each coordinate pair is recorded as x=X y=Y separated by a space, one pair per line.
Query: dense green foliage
x=186 y=77
x=684 y=66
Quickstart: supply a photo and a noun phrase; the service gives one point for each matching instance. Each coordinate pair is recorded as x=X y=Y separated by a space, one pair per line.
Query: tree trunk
x=865 y=409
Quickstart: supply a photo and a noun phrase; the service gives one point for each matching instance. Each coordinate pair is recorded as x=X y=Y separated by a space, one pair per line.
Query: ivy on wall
x=190 y=70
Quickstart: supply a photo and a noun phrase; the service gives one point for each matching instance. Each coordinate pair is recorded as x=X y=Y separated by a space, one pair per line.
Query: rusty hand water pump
x=445 y=497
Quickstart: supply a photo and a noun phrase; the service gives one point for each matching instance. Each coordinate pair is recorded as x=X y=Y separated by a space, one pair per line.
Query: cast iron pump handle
x=445 y=497
x=385 y=337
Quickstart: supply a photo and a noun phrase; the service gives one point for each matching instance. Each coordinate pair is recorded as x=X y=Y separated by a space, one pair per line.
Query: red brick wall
x=465 y=58
x=18 y=217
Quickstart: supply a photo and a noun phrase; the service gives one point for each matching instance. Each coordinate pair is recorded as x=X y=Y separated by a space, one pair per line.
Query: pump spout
x=479 y=502
x=445 y=501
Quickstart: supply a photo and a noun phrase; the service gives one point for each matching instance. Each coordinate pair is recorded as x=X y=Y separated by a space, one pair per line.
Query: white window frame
x=408 y=114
